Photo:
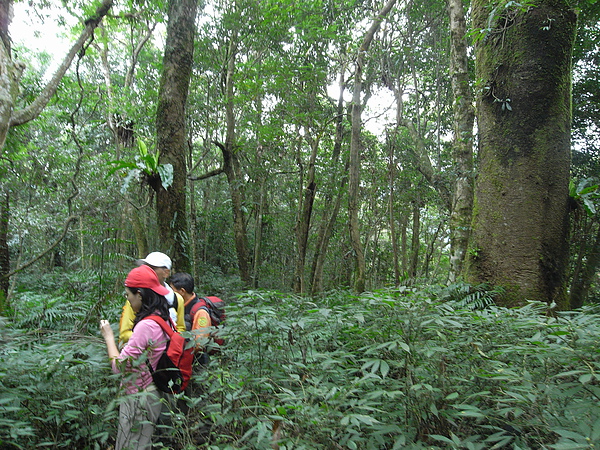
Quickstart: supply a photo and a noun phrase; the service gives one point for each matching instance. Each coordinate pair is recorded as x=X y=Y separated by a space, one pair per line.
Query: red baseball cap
x=145 y=277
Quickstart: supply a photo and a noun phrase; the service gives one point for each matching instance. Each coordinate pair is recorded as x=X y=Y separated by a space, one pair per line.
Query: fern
x=471 y=297
x=40 y=311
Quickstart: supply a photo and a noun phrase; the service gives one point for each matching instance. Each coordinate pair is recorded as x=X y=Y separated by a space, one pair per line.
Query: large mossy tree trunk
x=520 y=225
x=171 y=129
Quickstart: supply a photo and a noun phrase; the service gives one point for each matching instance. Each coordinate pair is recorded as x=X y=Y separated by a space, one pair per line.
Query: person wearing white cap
x=161 y=264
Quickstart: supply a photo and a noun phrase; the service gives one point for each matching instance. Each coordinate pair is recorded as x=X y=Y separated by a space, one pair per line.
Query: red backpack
x=174 y=368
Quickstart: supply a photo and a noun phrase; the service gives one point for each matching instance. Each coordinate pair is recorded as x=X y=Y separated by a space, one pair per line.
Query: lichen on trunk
x=520 y=225
x=171 y=131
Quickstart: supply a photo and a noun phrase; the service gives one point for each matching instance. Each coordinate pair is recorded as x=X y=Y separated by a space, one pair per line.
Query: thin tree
x=304 y=215
x=232 y=167
x=354 y=175
x=333 y=194
x=464 y=116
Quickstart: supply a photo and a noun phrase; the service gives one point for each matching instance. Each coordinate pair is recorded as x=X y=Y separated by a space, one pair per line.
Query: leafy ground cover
x=429 y=367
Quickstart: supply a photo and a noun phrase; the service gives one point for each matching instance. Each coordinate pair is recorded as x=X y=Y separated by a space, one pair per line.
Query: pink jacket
x=147 y=339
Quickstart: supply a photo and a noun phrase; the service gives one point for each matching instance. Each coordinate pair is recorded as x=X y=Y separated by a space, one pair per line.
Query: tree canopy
x=277 y=125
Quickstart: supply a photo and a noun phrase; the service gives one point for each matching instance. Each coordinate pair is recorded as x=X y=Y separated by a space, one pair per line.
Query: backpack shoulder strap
x=159 y=320
x=197 y=304
x=190 y=308
x=178 y=300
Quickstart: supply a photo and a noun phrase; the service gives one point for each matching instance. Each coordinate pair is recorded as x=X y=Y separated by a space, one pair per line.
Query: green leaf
x=149 y=163
x=585 y=378
x=589 y=205
x=119 y=164
x=384 y=368
x=570 y=373
x=142 y=148
x=441 y=438
x=166 y=175
x=404 y=347
x=570 y=434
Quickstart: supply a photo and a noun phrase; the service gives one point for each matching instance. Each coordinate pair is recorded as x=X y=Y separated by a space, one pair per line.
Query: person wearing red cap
x=161 y=264
x=140 y=409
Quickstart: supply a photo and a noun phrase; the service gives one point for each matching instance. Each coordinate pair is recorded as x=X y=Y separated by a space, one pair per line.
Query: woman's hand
x=109 y=337
x=106 y=330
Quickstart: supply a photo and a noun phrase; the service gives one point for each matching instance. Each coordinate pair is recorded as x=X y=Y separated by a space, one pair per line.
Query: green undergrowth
x=411 y=368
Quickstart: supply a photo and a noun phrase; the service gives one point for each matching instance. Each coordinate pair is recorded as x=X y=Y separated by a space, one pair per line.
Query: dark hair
x=152 y=303
x=182 y=280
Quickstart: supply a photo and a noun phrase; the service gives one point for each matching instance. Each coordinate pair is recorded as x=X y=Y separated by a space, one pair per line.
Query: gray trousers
x=137 y=419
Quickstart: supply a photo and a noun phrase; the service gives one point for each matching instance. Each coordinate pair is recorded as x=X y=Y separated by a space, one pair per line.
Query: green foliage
x=145 y=166
x=403 y=369
x=468 y=296
x=587 y=191
x=437 y=367
x=55 y=389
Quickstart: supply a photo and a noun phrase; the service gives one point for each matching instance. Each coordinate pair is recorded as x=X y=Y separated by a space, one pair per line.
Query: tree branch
x=45 y=252
x=212 y=173
x=37 y=106
x=206 y=175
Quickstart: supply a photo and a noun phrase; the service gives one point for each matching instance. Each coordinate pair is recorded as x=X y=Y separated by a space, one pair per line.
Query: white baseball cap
x=157 y=259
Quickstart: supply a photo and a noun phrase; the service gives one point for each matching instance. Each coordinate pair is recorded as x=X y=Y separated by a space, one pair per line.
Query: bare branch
x=206 y=175
x=37 y=106
x=45 y=252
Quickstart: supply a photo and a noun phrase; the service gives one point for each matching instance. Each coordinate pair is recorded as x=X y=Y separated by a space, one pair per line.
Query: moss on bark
x=520 y=227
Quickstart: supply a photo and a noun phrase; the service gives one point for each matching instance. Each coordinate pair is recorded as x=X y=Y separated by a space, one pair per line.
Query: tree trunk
x=193 y=247
x=464 y=116
x=415 y=242
x=9 y=84
x=4 y=255
x=171 y=130
x=520 y=226
x=335 y=190
x=139 y=230
x=231 y=167
x=431 y=250
x=354 y=175
x=391 y=215
x=404 y=242
x=10 y=71
x=260 y=206
x=323 y=239
x=303 y=219
x=257 y=258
